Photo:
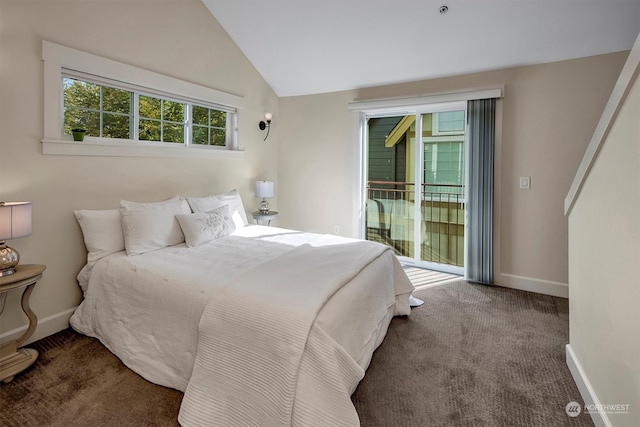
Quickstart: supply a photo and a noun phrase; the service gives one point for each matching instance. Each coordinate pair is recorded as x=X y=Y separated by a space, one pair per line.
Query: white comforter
x=147 y=308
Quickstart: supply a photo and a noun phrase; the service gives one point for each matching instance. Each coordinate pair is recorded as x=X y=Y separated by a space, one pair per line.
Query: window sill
x=124 y=149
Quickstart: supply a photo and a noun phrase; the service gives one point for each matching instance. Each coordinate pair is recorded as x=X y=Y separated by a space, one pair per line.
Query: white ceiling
x=305 y=47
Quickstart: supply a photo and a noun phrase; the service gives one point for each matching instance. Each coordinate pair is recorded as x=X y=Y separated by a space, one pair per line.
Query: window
x=107 y=111
x=128 y=111
x=209 y=126
x=161 y=120
x=444 y=165
x=448 y=123
x=103 y=111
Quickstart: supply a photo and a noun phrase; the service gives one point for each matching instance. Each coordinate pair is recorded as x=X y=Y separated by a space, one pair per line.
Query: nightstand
x=258 y=216
x=12 y=358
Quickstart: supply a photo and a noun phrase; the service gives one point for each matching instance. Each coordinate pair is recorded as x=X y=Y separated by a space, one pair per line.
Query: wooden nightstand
x=12 y=358
x=257 y=215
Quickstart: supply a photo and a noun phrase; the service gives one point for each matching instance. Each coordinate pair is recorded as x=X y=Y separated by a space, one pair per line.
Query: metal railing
x=390 y=219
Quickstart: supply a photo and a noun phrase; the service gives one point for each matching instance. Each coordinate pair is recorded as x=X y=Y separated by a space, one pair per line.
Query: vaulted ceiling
x=303 y=47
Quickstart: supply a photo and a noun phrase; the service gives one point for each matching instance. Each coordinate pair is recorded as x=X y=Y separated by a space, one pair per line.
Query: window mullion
x=101 y=111
x=188 y=121
x=229 y=129
x=135 y=121
x=162 y=120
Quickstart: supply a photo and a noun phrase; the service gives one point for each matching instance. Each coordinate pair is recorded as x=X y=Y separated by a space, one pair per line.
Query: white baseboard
x=599 y=418
x=530 y=284
x=47 y=326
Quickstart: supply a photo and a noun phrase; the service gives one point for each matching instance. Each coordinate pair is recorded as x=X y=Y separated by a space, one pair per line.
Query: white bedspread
x=147 y=308
x=253 y=351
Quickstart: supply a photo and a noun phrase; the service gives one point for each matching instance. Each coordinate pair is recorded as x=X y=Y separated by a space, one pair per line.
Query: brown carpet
x=470 y=356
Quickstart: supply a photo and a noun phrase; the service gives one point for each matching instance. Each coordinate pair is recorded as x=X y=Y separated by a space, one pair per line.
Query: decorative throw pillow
x=151 y=226
x=231 y=198
x=102 y=232
x=203 y=227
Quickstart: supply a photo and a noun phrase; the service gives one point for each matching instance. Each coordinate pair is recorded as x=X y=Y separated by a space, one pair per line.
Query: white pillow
x=202 y=227
x=151 y=226
x=205 y=204
x=102 y=232
x=231 y=198
x=140 y=205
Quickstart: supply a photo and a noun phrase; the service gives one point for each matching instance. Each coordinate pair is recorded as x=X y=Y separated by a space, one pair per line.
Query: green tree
x=101 y=110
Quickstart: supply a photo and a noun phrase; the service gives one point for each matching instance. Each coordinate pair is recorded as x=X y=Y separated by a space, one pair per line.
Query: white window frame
x=58 y=60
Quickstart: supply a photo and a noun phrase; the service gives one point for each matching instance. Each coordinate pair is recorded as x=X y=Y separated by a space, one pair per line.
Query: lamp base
x=264 y=207
x=9 y=258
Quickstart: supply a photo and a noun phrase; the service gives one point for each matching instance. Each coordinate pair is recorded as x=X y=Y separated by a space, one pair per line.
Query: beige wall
x=604 y=268
x=176 y=38
x=549 y=114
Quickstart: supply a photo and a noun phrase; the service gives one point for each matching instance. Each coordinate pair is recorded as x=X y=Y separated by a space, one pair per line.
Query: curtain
x=479 y=248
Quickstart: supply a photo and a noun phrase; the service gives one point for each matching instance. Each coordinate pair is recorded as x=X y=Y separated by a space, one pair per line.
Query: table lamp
x=15 y=222
x=264 y=189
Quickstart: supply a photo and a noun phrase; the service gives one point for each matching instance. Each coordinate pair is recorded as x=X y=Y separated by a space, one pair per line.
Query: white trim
x=418 y=178
x=587 y=392
x=73 y=59
x=359 y=177
x=434 y=266
x=148 y=91
x=497 y=193
x=531 y=284
x=619 y=93
x=413 y=104
x=123 y=149
x=445 y=138
x=47 y=326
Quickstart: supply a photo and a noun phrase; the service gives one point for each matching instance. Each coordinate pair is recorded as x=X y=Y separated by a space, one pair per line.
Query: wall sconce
x=266 y=124
x=15 y=222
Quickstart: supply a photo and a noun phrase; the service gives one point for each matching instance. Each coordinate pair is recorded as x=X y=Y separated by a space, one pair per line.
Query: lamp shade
x=15 y=220
x=265 y=189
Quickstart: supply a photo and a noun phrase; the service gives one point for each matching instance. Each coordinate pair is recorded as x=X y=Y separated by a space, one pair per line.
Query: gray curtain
x=479 y=248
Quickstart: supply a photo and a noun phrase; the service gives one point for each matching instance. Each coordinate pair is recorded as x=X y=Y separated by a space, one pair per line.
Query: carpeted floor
x=470 y=356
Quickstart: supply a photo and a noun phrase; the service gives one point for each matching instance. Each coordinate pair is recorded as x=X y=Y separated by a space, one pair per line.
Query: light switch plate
x=525 y=182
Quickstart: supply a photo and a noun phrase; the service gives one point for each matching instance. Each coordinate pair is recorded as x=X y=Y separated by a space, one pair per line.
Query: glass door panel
x=442 y=198
x=390 y=195
x=415 y=190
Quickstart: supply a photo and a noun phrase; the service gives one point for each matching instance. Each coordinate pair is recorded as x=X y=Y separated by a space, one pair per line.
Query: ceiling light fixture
x=444 y=9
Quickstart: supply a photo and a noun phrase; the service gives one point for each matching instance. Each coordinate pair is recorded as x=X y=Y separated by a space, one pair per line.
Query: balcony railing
x=390 y=219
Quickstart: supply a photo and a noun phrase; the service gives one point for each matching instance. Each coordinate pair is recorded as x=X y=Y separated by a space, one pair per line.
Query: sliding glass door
x=415 y=175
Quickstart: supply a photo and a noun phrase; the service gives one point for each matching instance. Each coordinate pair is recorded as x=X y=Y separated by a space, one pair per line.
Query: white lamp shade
x=15 y=220
x=265 y=189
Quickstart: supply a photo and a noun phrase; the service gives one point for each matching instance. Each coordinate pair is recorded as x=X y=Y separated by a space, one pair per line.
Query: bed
x=257 y=325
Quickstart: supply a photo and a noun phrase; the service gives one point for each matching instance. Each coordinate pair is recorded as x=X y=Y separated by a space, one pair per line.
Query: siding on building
x=385 y=164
